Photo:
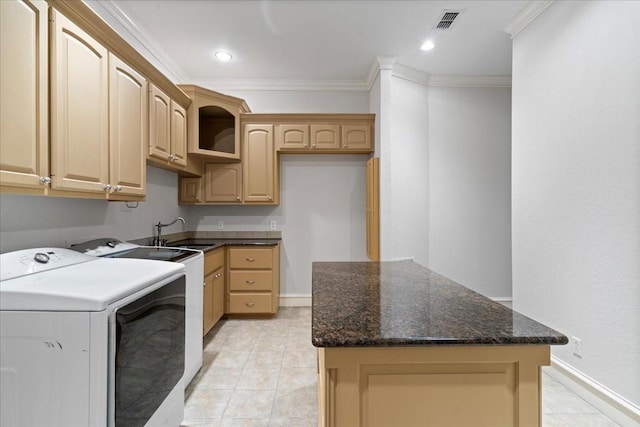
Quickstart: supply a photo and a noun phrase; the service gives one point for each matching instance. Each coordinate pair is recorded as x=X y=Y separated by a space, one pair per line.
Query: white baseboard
x=606 y=401
x=508 y=301
x=295 y=301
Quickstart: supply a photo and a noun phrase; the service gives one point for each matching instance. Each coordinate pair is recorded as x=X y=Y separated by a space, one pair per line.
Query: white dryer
x=86 y=341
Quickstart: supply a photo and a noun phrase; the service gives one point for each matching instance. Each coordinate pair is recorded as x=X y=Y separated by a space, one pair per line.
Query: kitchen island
x=400 y=345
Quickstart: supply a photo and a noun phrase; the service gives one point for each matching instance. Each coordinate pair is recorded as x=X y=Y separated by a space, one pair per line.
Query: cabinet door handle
x=250 y=282
x=45 y=180
x=250 y=259
x=250 y=304
x=238 y=198
x=313 y=145
x=270 y=198
x=217 y=275
x=344 y=145
x=117 y=188
x=106 y=187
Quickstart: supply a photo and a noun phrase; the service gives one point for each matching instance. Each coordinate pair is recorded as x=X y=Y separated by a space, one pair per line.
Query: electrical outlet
x=273 y=225
x=577 y=346
x=220 y=225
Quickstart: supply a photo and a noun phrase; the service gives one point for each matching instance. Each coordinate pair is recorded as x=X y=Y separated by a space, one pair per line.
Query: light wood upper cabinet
x=79 y=113
x=325 y=137
x=190 y=190
x=178 y=134
x=293 y=137
x=319 y=133
x=74 y=107
x=24 y=130
x=159 y=124
x=98 y=117
x=167 y=130
x=254 y=180
x=223 y=183
x=356 y=137
x=214 y=124
x=258 y=164
x=127 y=129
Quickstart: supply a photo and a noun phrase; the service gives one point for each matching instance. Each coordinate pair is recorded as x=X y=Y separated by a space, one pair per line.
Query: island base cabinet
x=409 y=386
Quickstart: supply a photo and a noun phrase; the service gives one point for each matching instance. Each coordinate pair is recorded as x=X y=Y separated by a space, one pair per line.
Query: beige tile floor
x=263 y=373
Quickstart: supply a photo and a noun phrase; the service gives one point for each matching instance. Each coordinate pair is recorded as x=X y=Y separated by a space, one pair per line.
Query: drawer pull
x=251 y=259
x=250 y=304
x=250 y=282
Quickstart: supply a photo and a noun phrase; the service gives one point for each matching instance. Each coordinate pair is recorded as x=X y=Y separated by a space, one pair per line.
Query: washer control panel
x=31 y=261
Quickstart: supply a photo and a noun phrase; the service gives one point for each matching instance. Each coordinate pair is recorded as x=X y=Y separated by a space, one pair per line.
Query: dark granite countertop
x=390 y=304
x=206 y=245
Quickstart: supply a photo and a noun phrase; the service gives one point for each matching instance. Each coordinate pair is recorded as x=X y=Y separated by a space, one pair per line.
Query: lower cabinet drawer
x=250 y=303
x=250 y=258
x=251 y=280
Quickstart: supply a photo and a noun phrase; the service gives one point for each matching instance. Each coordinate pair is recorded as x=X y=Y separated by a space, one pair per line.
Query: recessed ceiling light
x=428 y=45
x=223 y=56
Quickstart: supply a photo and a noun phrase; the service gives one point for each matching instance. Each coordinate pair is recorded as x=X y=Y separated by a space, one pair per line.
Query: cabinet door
x=218 y=295
x=190 y=190
x=356 y=137
x=293 y=137
x=79 y=109
x=258 y=165
x=159 y=124
x=207 y=304
x=127 y=129
x=223 y=183
x=325 y=137
x=24 y=133
x=178 y=135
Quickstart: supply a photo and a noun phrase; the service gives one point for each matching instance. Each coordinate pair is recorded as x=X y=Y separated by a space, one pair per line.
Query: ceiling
x=325 y=40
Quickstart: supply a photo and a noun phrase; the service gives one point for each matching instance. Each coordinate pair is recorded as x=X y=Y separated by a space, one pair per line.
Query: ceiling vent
x=447 y=19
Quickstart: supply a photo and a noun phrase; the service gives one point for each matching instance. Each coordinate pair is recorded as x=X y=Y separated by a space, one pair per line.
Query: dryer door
x=149 y=352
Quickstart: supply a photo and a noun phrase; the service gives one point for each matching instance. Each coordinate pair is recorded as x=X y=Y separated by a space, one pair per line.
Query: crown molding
x=160 y=57
x=284 y=85
x=470 y=81
x=381 y=63
x=416 y=76
x=527 y=16
x=397 y=70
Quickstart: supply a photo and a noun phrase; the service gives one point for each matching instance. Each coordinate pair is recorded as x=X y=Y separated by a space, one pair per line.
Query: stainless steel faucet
x=157 y=239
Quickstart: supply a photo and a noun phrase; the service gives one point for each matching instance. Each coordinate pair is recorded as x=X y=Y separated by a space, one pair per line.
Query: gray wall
x=576 y=184
x=445 y=179
x=470 y=187
x=34 y=221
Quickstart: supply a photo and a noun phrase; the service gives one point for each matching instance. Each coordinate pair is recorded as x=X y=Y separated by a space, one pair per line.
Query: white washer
x=77 y=333
x=193 y=261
